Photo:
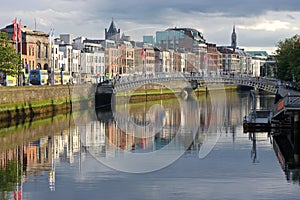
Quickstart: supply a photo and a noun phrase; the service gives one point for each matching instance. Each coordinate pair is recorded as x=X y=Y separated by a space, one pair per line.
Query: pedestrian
x=49 y=80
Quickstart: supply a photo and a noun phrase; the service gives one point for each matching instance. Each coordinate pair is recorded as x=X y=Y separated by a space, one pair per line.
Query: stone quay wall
x=28 y=94
x=28 y=102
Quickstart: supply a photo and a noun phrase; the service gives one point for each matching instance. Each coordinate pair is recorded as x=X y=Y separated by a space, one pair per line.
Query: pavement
x=283 y=91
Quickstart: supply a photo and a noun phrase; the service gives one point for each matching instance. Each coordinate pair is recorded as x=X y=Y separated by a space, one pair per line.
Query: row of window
x=96 y=59
x=31 y=51
x=39 y=53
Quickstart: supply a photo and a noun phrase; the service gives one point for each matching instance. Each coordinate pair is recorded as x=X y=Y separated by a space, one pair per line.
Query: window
x=46 y=51
x=38 y=51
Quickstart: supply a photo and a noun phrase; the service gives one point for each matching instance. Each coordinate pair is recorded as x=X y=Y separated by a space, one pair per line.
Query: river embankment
x=151 y=93
x=27 y=103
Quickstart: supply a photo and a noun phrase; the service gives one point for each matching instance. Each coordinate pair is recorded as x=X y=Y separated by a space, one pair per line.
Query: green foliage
x=10 y=61
x=9 y=175
x=288 y=59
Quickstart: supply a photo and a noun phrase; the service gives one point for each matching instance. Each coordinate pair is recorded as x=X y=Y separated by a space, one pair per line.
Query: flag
x=15 y=29
x=51 y=36
x=18 y=195
x=143 y=143
x=19 y=32
x=204 y=57
x=143 y=53
x=299 y=40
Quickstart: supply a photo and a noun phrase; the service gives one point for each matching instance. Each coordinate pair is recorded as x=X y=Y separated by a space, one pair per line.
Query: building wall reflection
x=64 y=141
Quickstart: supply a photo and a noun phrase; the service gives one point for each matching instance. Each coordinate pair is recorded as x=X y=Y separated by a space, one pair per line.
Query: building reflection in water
x=152 y=127
x=30 y=151
x=168 y=125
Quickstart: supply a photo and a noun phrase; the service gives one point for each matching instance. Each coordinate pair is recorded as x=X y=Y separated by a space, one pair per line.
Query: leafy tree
x=288 y=59
x=10 y=61
x=10 y=175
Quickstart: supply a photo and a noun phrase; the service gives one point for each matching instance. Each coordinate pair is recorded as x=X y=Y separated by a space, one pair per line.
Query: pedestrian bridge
x=181 y=81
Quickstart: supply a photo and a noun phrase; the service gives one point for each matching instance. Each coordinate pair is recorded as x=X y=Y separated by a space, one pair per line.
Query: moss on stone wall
x=28 y=102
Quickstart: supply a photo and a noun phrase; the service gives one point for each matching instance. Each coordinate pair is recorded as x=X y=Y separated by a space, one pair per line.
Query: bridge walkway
x=128 y=83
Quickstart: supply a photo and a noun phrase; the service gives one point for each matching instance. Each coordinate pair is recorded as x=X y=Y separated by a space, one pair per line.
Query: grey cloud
x=90 y=17
x=146 y=10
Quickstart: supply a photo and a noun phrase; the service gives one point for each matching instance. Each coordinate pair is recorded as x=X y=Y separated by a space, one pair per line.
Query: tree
x=288 y=59
x=10 y=61
x=10 y=176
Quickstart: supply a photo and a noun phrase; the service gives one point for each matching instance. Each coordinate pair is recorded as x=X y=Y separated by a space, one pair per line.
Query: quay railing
x=288 y=103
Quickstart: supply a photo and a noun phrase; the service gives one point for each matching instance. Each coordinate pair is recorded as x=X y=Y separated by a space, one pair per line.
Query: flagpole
x=145 y=62
x=16 y=36
x=16 y=39
x=20 y=40
x=51 y=64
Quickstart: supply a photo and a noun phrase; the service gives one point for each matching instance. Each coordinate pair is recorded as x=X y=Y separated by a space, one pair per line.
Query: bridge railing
x=270 y=85
x=289 y=102
x=292 y=100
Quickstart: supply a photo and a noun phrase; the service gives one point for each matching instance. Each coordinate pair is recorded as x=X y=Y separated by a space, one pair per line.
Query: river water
x=169 y=149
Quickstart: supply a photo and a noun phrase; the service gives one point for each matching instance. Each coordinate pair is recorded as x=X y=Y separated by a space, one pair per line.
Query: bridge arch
x=265 y=84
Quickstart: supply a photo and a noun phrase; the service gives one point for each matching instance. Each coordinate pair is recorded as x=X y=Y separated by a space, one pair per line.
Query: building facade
x=35 y=47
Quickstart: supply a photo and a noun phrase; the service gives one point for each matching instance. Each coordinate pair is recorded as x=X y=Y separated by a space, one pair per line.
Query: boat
x=257 y=121
x=104 y=94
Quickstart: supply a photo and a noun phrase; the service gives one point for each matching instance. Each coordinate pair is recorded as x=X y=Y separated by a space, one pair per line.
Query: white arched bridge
x=129 y=83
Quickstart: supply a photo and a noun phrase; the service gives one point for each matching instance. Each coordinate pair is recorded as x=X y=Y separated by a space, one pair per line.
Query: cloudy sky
x=259 y=24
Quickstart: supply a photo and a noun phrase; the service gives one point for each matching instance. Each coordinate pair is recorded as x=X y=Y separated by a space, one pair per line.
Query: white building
x=258 y=59
x=74 y=68
x=65 y=46
x=90 y=56
x=99 y=66
x=57 y=59
x=183 y=62
x=165 y=61
x=67 y=50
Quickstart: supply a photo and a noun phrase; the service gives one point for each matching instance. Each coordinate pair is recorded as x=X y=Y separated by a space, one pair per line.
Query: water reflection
x=285 y=147
x=285 y=142
x=63 y=147
x=33 y=150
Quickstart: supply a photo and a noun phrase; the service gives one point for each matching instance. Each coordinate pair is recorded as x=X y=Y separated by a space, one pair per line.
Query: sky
x=260 y=25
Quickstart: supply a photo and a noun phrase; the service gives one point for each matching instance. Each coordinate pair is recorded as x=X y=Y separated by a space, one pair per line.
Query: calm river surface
x=170 y=149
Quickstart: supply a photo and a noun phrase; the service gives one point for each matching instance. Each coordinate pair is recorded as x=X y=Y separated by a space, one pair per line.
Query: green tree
x=10 y=61
x=288 y=59
x=10 y=176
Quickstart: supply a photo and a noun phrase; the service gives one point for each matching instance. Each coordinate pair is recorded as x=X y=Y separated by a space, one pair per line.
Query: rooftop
x=257 y=53
x=112 y=27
